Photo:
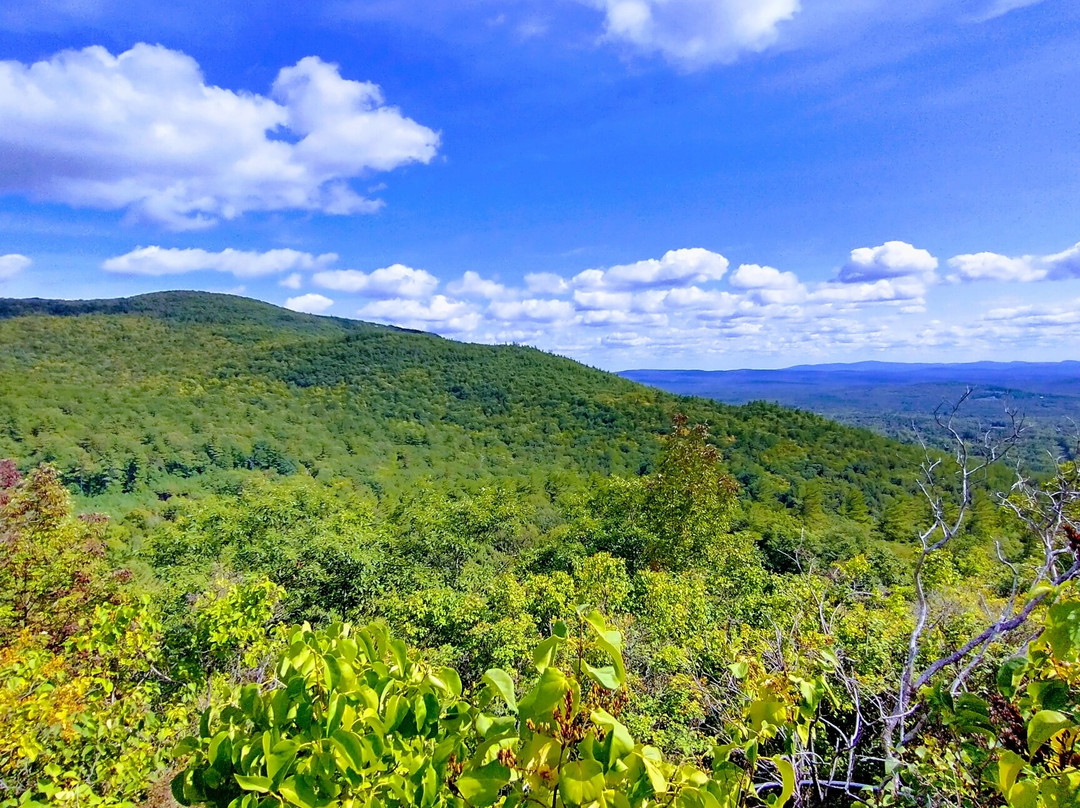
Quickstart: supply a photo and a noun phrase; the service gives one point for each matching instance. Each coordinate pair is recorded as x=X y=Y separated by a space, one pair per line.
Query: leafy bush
x=353 y=719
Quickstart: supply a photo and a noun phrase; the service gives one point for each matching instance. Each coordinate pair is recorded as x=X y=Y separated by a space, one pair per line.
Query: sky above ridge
x=632 y=183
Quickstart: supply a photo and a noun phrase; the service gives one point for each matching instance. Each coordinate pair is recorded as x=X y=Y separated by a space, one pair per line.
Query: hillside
x=248 y=478
x=890 y=397
x=159 y=391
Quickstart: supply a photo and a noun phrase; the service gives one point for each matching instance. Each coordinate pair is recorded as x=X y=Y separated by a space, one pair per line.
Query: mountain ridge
x=173 y=389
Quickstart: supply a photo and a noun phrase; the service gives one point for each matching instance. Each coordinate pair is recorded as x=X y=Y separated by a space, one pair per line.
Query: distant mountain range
x=892 y=397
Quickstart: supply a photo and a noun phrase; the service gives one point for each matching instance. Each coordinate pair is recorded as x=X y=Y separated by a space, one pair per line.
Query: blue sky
x=634 y=183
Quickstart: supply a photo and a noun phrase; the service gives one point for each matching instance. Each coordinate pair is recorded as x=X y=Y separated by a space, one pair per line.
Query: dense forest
x=899 y=399
x=259 y=558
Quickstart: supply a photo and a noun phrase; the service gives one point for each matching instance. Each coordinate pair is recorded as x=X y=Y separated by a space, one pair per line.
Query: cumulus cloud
x=989 y=266
x=394 y=281
x=669 y=301
x=696 y=33
x=893 y=259
x=687 y=305
x=293 y=281
x=240 y=263
x=310 y=303
x=440 y=314
x=472 y=286
x=546 y=283
x=677 y=268
x=533 y=310
x=753 y=276
x=887 y=290
x=11 y=265
x=142 y=131
x=625 y=339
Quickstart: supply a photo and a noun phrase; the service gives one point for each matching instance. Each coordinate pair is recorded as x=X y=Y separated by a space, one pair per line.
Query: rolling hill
x=891 y=398
x=163 y=392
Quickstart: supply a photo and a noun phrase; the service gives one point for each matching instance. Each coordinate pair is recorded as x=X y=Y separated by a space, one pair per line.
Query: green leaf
x=400 y=654
x=1024 y=794
x=480 y=786
x=181 y=787
x=501 y=683
x=420 y=713
x=249 y=700
x=218 y=752
x=1009 y=767
x=1052 y=694
x=334 y=714
x=547 y=694
x=350 y=748
x=739 y=669
x=618 y=741
x=581 y=782
x=766 y=712
x=1043 y=726
x=1061 y=791
x=611 y=641
x=652 y=760
x=606 y=676
x=787 y=776
x=280 y=760
x=490 y=726
x=260 y=784
x=331 y=672
x=448 y=679
x=299 y=791
x=544 y=653
x=1010 y=674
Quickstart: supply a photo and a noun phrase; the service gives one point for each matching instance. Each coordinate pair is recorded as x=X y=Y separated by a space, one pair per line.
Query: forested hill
x=527 y=525
x=890 y=397
x=157 y=392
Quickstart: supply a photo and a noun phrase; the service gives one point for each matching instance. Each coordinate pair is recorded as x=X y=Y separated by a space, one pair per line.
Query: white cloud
x=696 y=33
x=988 y=266
x=294 y=281
x=143 y=132
x=440 y=314
x=473 y=287
x=889 y=290
x=310 y=303
x=11 y=265
x=1063 y=265
x=999 y=8
x=396 y=280
x=893 y=259
x=601 y=318
x=1043 y=318
x=241 y=263
x=753 y=276
x=533 y=310
x=676 y=268
x=686 y=306
x=546 y=283
x=625 y=339
x=600 y=299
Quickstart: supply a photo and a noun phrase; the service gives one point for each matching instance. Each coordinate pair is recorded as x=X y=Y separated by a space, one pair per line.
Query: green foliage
x=230 y=623
x=1019 y=742
x=751 y=581
x=88 y=723
x=355 y=720
x=51 y=566
x=177 y=393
